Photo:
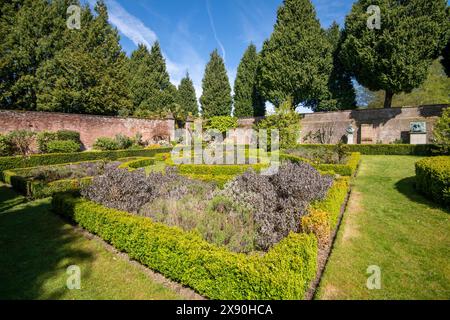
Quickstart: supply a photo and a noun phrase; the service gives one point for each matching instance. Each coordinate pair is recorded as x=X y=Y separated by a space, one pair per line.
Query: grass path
x=37 y=247
x=390 y=225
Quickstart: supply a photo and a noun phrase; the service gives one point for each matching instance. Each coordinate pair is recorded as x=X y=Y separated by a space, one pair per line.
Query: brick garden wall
x=380 y=125
x=90 y=127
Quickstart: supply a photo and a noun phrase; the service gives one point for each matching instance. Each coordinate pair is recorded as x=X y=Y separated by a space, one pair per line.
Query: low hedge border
x=347 y=169
x=8 y=163
x=39 y=189
x=381 y=149
x=285 y=272
x=323 y=216
x=228 y=170
x=137 y=163
x=433 y=179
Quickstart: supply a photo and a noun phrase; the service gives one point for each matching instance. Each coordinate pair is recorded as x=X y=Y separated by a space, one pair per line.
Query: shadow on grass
x=37 y=247
x=407 y=188
x=9 y=199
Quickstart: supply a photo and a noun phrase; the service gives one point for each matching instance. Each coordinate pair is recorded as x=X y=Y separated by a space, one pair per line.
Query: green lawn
x=37 y=247
x=390 y=225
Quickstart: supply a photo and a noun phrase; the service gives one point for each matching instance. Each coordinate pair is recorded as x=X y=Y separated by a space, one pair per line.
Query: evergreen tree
x=88 y=74
x=216 y=99
x=297 y=59
x=139 y=72
x=247 y=100
x=396 y=57
x=187 y=100
x=30 y=34
x=340 y=83
x=153 y=91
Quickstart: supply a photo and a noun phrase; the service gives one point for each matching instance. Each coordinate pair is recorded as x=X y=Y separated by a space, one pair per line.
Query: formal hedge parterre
x=433 y=178
x=380 y=149
x=8 y=163
x=285 y=272
x=347 y=169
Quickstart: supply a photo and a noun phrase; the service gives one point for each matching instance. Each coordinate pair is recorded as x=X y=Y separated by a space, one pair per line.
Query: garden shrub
x=8 y=163
x=106 y=144
x=63 y=146
x=21 y=141
x=221 y=123
x=332 y=203
x=433 y=178
x=5 y=146
x=44 y=138
x=442 y=132
x=287 y=122
x=285 y=272
x=278 y=201
x=68 y=135
x=203 y=169
x=317 y=222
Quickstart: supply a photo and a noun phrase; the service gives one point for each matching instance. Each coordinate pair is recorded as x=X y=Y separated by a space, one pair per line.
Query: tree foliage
x=343 y=95
x=442 y=131
x=187 y=99
x=247 y=100
x=396 y=57
x=88 y=74
x=297 y=59
x=435 y=90
x=216 y=98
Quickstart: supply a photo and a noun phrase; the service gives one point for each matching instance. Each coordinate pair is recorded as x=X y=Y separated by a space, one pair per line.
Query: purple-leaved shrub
x=279 y=201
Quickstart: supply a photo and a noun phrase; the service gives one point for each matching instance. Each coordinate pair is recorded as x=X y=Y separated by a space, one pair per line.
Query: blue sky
x=189 y=30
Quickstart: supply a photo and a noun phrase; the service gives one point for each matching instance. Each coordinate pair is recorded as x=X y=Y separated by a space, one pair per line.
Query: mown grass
x=37 y=247
x=390 y=225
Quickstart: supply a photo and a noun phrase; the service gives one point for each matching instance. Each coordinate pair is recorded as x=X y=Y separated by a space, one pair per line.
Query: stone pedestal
x=350 y=138
x=418 y=138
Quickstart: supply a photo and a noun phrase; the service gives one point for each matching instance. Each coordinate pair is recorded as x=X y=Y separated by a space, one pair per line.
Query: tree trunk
x=388 y=99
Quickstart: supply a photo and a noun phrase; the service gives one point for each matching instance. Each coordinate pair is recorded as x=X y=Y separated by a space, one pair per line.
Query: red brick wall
x=90 y=127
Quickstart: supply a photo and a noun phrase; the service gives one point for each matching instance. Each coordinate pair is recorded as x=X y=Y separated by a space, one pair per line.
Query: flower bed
x=433 y=178
x=285 y=271
x=8 y=163
x=347 y=169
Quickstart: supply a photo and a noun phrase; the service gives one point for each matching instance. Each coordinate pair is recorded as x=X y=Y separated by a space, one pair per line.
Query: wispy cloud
x=130 y=26
x=188 y=60
x=213 y=27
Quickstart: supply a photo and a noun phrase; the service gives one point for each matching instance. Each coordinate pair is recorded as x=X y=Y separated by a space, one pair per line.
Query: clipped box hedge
x=204 y=169
x=285 y=272
x=347 y=169
x=137 y=163
x=40 y=189
x=8 y=163
x=433 y=178
x=380 y=149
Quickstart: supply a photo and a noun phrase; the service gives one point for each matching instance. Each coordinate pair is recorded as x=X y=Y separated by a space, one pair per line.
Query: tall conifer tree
x=297 y=59
x=216 y=99
x=187 y=99
x=247 y=100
